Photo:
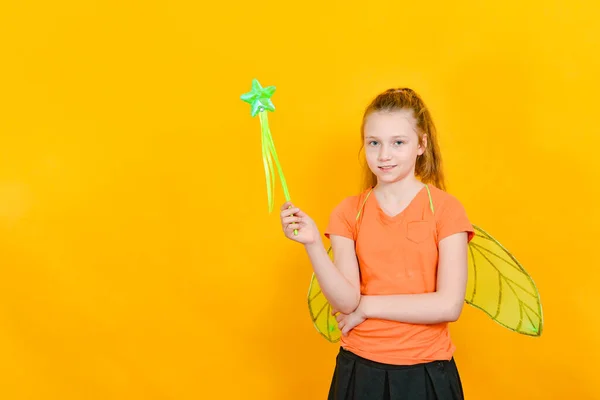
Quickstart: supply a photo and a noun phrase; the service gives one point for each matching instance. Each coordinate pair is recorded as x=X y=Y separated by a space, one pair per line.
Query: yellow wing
x=320 y=310
x=499 y=286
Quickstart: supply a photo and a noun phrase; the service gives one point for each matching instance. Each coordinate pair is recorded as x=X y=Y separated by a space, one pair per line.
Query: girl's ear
x=422 y=145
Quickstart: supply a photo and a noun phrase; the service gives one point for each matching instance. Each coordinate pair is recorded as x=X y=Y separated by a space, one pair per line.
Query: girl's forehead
x=394 y=122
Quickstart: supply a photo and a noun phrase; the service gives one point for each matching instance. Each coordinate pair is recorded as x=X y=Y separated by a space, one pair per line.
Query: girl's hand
x=292 y=218
x=347 y=322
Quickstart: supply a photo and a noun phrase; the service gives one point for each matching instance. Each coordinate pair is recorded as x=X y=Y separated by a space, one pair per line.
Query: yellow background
x=137 y=256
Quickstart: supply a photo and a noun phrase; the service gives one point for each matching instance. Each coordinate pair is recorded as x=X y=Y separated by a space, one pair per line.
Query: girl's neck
x=399 y=190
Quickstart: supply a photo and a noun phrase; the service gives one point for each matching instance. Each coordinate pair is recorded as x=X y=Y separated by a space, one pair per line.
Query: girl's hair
x=429 y=165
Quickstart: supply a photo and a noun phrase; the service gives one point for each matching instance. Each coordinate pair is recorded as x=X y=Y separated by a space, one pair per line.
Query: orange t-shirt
x=399 y=255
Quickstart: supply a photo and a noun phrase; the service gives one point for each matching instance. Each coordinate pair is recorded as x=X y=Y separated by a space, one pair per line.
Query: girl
x=400 y=270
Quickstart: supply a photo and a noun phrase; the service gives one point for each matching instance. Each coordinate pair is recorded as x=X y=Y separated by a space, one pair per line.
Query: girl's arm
x=443 y=305
x=340 y=282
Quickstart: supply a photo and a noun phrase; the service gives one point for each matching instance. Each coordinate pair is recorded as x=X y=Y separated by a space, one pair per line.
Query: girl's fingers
x=300 y=213
x=290 y=220
x=290 y=211
x=291 y=227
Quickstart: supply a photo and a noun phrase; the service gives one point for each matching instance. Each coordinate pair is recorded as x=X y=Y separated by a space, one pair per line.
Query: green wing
x=320 y=310
x=499 y=286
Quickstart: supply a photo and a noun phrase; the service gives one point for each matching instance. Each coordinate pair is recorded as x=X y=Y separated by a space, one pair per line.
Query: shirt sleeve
x=341 y=222
x=453 y=219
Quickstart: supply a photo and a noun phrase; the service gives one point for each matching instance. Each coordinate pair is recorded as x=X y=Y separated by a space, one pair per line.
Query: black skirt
x=356 y=378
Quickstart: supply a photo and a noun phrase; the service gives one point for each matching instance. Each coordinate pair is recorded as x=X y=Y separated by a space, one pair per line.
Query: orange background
x=138 y=259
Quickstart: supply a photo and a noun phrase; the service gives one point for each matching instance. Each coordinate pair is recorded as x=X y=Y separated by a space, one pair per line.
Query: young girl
x=400 y=270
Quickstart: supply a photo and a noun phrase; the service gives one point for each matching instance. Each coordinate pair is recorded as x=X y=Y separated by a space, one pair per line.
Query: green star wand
x=260 y=102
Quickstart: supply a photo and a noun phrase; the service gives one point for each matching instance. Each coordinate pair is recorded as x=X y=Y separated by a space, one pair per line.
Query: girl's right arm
x=339 y=282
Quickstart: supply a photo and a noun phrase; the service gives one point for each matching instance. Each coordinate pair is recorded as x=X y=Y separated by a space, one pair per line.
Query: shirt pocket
x=418 y=231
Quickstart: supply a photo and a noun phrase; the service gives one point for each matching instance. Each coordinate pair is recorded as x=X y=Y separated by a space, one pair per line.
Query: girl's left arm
x=443 y=305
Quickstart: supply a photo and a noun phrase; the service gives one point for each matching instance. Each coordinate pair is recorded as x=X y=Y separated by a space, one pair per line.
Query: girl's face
x=392 y=144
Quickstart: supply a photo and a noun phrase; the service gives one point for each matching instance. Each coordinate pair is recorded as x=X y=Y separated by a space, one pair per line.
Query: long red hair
x=428 y=167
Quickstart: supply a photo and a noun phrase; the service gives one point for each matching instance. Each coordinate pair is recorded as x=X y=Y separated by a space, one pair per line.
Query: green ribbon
x=269 y=155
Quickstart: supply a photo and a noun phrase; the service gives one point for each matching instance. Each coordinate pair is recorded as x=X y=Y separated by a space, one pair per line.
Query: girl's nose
x=384 y=154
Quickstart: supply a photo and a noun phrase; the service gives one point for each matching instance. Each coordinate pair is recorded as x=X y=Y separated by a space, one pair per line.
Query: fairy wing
x=320 y=310
x=499 y=286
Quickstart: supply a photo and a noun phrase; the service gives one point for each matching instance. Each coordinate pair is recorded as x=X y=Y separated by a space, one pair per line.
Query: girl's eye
x=372 y=143
x=399 y=142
